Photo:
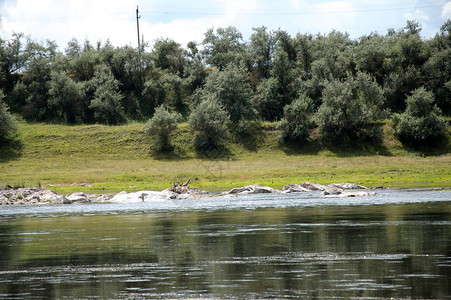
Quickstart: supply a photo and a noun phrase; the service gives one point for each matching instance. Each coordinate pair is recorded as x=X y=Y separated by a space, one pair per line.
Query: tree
x=438 y=73
x=420 y=125
x=8 y=126
x=13 y=59
x=350 y=111
x=208 y=122
x=106 y=103
x=297 y=120
x=36 y=80
x=370 y=56
x=224 y=47
x=169 y=55
x=406 y=54
x=262 y=46
x=231 y=88
x=67 y=98
x=267 y=100
x=160 y=126
x=82 y=66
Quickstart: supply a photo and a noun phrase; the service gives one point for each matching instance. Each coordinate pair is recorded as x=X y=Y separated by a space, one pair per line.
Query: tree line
x=340 y=86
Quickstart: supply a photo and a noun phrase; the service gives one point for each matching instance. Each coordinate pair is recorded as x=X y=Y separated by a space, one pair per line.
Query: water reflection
x=371 y=251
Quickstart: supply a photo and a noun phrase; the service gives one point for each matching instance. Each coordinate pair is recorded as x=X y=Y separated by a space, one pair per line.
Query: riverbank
x=101 y=159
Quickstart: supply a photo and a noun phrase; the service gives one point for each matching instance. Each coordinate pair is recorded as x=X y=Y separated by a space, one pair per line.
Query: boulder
x=349 y=194
x=294 y=188
x=43 y=196
x=346 y=186
x=78 y=197
x=313 y=186
x=251 y=189
x=332 y=191
x=143 y=196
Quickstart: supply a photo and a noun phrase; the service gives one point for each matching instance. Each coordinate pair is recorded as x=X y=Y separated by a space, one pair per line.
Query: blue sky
x=184 y=21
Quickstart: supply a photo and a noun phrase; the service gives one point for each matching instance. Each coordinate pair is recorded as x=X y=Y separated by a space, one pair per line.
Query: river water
x=395 y=245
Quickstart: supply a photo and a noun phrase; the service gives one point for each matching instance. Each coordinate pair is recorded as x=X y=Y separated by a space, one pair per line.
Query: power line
x=287 y=13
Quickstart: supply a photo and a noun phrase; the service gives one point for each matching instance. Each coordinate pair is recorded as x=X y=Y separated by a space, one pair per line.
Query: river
x=395 y=245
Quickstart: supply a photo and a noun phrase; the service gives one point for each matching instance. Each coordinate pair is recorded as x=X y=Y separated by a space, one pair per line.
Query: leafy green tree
x=331 y=59
x=223 y=47
x=420 y=125
x=160 y=126
x=8 y=126
x=83 y=65
x=208 y=122
x=106 y=103
x=169 y=55
x=304 y=44
x=406 y=55
x=371 y=55
x=232 y=89
x=350 y=111
x=195 y=75
x=175 y=93
x=153 y=94
x=297 y=120
x=262 y=46
x=283 y=70
x=438 y=72
x=267 y=100
x=67 y=98
x=13 y=59
x=36 y=80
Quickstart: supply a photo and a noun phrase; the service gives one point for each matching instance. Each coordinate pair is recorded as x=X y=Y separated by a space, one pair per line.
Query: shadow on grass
x=348 y=150
x=172 y=154
x=249 y=137
x=314 y=146
x=215 y=152
x=10 y=149
x=309 y=147
x=431 y=149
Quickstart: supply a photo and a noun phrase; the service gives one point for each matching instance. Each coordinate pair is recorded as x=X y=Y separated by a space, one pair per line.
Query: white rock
x=294 y=188
x=78 y=197
x=347 y=186
x=143 y=196
x=313 y=186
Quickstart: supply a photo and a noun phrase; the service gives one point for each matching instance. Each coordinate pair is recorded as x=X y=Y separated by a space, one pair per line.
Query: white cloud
x=338 y=15
x=446 y=11
x=416 y=15
x=63 y=20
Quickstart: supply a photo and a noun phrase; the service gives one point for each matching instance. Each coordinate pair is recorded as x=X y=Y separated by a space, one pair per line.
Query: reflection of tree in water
x=341 y=251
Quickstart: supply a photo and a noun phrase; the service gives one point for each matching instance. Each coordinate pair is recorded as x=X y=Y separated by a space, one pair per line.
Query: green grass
x=115 y=158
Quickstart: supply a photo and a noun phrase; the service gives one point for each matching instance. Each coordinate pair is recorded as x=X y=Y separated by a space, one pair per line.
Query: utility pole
x=137 y=26
x=139 y=42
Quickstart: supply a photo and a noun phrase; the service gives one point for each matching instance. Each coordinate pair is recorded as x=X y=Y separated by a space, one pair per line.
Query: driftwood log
x=184 y=188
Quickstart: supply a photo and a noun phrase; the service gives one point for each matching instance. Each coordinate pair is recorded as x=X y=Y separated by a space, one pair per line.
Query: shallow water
x=394 y=245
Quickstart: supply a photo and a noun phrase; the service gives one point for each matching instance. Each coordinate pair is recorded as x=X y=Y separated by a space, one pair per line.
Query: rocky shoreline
x=43 y=196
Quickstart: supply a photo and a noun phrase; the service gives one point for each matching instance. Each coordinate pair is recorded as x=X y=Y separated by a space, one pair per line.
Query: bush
x=294 y=127
x=232 y=89
x=8 y=126
x=160 y=126
x=350 y=112
x=208 y=122
x=66 y=98
x=267 y=100
x=420 y=125
x=106 y=103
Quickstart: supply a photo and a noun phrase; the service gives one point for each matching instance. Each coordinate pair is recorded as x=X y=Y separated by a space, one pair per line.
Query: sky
x=185 y=21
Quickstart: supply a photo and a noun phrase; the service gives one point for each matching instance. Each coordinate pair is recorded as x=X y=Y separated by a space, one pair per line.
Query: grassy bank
x=105 y=158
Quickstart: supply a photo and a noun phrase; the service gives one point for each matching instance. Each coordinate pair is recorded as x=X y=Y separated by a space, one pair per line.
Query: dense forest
x=343 y=88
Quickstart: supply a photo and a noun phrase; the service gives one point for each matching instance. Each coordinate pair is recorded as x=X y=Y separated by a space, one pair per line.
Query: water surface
x=394 y=245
